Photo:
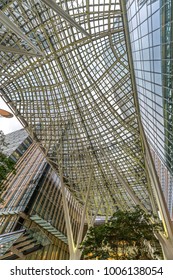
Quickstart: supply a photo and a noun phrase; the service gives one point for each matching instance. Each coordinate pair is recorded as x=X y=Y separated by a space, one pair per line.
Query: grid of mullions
x=78 y=99
x=148 y=25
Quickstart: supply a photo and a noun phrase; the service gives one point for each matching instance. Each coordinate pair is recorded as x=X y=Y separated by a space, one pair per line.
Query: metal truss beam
x=52 y=4
x=14 y=28
x=18 y=51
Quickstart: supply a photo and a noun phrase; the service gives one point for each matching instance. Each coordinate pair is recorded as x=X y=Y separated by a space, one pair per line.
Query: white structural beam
x=67 y=220
x=96 y=213
x=167 y=246
x=52 y=4
x=16 y=30
x=159 y=196
x=80 y=234
x=18 y=51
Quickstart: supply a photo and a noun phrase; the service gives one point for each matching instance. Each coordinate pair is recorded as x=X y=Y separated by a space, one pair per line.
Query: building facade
x=32 y=224
x=17 y=143
x=151 y=41
x=150 y=25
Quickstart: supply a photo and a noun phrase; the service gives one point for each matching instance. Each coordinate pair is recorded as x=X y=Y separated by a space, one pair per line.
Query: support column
x=167 y=224
x=67 y=221
x=75 y=252
x=78 y=252
x=167 y=246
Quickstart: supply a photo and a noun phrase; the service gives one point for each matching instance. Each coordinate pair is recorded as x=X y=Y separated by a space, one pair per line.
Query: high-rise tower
x=150 y=34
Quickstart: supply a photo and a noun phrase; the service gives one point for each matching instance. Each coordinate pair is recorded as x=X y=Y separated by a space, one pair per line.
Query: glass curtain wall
x=151 y=40
x=150 y=26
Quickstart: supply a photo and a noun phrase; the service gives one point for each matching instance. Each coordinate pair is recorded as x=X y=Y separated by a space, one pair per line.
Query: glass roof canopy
x=70 y=84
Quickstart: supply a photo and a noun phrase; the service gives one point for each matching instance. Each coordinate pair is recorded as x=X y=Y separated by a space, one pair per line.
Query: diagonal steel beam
x=80 y=234
x=18 y=51
x=14 y=28
x=52 y=4
x=67 y=220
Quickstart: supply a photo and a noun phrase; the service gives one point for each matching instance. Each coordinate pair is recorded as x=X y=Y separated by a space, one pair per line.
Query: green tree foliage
x=127 y=235
x=6 y=164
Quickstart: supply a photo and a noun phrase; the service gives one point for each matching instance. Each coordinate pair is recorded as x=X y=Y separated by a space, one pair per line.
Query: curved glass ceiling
x=65 y=74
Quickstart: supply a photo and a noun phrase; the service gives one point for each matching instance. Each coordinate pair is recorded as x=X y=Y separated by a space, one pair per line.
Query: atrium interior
x=91 y=83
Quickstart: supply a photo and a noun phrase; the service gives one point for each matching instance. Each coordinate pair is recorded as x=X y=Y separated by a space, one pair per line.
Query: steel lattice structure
x=66 y=72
